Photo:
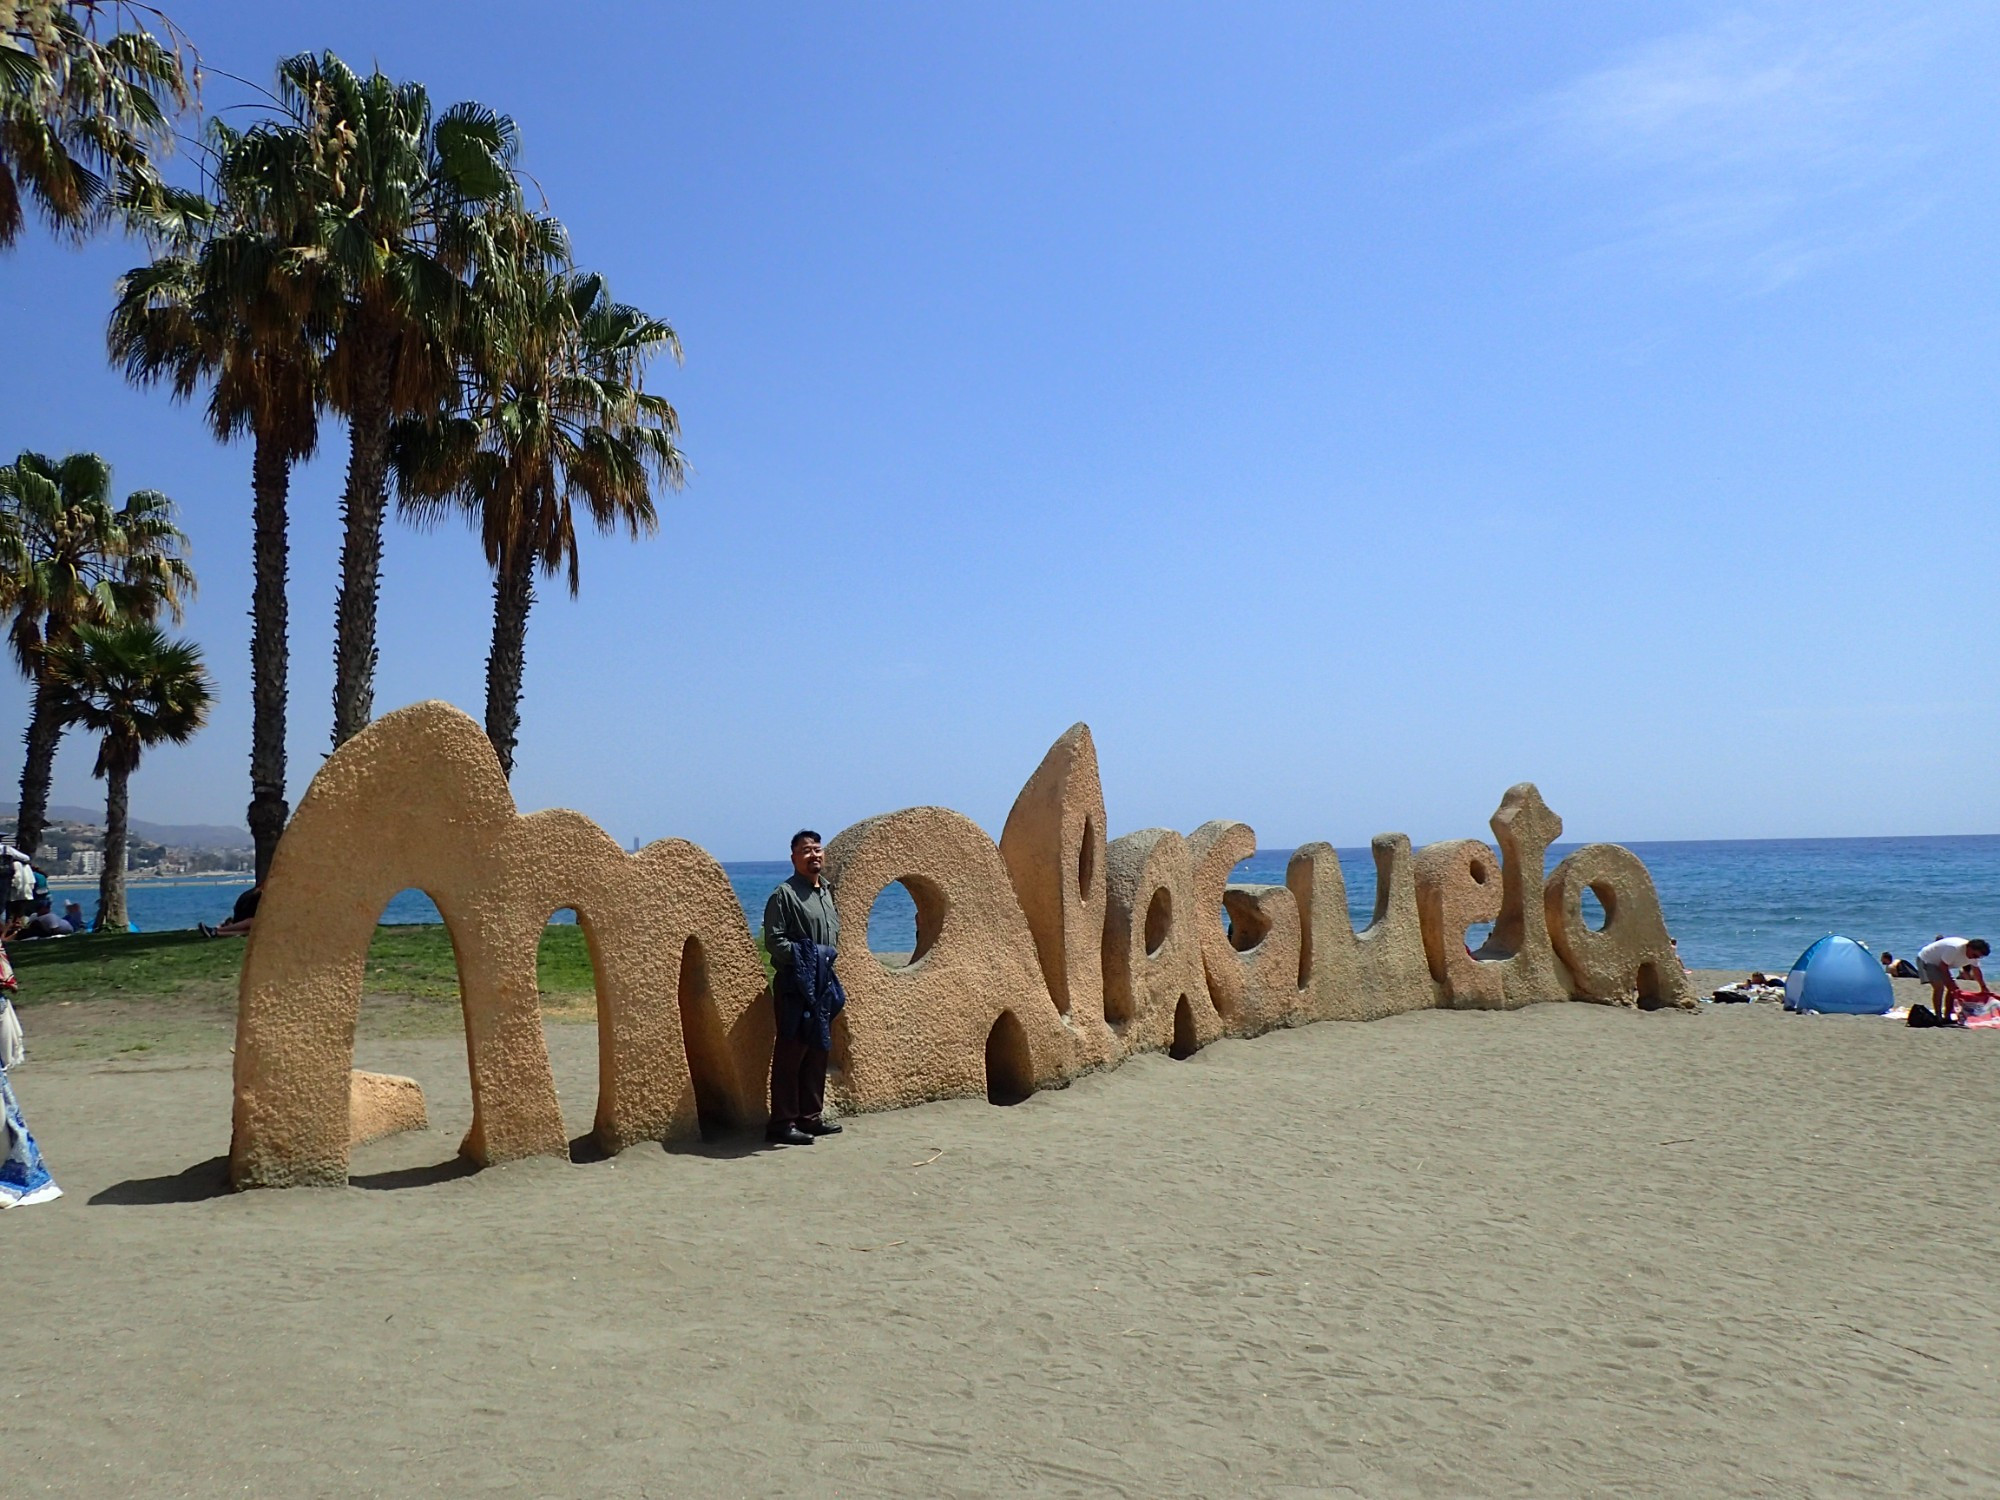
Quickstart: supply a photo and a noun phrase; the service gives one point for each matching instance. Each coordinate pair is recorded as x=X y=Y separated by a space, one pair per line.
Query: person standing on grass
x=802 y=935
x=17 y=876
x=1937 y=962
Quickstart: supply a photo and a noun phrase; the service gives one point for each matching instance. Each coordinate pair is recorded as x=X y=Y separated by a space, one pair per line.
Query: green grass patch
x=411 y=961
x=125 y=966
x=127 y=995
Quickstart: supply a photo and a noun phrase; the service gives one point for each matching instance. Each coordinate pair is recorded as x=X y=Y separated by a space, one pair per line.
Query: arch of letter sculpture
x=1046 y=956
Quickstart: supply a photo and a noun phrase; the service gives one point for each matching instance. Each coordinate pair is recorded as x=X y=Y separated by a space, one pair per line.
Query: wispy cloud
x=1765 y=142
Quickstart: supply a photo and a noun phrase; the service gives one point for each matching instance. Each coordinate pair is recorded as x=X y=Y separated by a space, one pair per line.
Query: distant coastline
x=1733 y=903
x=148 y=878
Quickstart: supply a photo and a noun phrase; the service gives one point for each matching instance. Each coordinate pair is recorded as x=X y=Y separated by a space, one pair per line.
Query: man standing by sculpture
x=802 y=935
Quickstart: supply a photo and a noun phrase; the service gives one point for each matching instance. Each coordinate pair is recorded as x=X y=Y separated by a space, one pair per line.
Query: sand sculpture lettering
x=1051 y=954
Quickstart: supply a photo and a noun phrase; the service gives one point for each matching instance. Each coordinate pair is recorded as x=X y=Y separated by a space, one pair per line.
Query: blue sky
x=1348 y=411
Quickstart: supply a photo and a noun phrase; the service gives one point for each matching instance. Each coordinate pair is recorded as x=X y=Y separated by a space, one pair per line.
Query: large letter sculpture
x=418 y=799
x=1045 y=956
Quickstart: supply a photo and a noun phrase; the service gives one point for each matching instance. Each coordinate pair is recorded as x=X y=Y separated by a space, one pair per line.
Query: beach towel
x=23 y=1177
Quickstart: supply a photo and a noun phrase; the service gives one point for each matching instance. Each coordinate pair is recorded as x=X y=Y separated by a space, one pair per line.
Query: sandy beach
x=1567 y=1250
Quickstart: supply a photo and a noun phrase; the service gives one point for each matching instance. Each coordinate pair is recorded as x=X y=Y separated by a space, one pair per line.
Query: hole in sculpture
x=1357 y=869
x=1185 y=1044
x=905 y=920
x=1479 y=872
x=1245 y=924
x=563 y=971
x=1010 y=1072
x=1159 y=920
x=1476 y=935
x=566 y=985
x=1086 y=859
x=1596 y=909
x=1648 y=985
x=706 y=1043
x=410 y=984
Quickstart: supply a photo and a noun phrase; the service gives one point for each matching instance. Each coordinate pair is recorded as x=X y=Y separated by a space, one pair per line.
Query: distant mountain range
x=174 y=835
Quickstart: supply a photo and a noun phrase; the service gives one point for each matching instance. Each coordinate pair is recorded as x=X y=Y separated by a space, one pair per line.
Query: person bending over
x=802 y=935
x=1936 y=963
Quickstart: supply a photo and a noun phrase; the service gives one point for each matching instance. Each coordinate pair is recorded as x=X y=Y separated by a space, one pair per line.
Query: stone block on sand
x=380 y=1104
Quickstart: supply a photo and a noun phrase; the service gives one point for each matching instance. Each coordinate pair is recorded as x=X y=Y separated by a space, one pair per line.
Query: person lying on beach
x=1936 y=963
x=45 y=923
x=1898 y=968
x=240 y=916
x=1759 y=986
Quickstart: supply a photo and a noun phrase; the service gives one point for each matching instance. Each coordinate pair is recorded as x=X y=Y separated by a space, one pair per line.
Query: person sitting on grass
x=1936 y=963
x=73 y=914
x=240 y=917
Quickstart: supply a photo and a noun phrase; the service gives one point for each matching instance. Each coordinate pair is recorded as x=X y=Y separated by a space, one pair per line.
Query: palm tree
x=395 y=224
x=137 y=688
x=82 y=116
x=69 y=559
x=554 y=414
x=237 y=301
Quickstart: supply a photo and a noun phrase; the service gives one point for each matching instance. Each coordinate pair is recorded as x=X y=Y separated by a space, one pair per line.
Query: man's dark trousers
x=798 y=1080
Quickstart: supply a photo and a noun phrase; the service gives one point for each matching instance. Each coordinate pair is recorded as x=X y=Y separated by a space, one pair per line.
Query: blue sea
x=1734 y=904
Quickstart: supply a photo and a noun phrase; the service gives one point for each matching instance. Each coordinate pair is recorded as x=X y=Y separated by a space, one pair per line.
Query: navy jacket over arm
x=809 y=996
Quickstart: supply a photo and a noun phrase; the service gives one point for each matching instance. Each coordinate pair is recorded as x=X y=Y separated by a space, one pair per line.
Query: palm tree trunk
x=361 y=510
x=45 y=727
x=269 y=652
x=506 y=663
x=111 y=883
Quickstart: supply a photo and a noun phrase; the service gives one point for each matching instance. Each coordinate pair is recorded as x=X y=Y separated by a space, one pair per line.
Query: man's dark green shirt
x=799 y=912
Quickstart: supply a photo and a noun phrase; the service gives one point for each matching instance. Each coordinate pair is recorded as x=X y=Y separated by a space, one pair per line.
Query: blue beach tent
x=1839 y=976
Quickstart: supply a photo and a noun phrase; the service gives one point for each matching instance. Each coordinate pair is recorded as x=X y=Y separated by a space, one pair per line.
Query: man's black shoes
x=800 y=1134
